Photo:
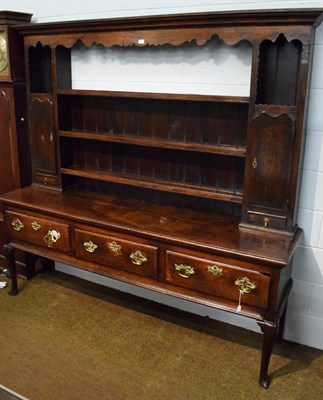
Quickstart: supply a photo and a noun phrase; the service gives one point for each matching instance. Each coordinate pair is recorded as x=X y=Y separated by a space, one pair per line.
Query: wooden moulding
x=175 y=29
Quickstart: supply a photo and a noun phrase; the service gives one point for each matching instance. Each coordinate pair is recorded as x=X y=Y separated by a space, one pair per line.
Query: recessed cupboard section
x=278 y=70
x=206 y=126
x=40 y=72
x=63 y=67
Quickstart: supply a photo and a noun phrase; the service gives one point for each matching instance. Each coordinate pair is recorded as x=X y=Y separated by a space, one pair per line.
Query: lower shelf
x=174 y=187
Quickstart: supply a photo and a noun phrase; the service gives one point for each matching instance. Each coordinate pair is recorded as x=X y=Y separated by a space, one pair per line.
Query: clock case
x=14 y=161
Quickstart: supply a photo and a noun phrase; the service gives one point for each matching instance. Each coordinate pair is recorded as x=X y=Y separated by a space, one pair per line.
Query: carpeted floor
x=67 y=339
x=7 y=394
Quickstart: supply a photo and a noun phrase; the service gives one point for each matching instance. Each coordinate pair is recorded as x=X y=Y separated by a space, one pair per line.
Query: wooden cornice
x=311 y=17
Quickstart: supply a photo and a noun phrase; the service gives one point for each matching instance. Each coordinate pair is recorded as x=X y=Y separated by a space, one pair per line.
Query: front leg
x=9 y=253
x=270 y=332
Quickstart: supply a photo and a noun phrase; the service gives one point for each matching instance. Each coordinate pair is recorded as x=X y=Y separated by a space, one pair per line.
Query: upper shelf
x=158 y=96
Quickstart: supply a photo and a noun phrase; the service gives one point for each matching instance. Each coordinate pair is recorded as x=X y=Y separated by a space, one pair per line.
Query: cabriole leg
x=9 y=253
x=270 y=332
x=281 y=326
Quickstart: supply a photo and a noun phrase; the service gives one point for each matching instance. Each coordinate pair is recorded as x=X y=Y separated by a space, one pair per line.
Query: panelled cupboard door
x=270 y=177
x=273 y=145
x=9 y=168
x=42 y=136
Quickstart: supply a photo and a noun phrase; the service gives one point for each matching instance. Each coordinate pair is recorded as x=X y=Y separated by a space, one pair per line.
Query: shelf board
x=157 y=143
x=159 y=96
x=174 y=187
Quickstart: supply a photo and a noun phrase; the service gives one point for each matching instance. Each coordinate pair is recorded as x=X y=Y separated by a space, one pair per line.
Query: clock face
x=3 y=53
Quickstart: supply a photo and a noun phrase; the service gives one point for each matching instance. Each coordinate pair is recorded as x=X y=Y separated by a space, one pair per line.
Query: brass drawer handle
x=36 y=226
x=51 y=237
x=90 y=246
x=17 y=225
x=184 y=270
x=245 y=285
x=215 y=270
x=138 y=258
x=114 y=247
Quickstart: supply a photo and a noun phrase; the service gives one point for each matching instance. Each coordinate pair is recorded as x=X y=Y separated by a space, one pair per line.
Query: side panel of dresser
x=14 y=142
x=14 y=162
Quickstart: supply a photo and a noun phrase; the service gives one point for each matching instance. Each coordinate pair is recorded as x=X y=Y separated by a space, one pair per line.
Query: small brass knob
x=138 y=258
x=90 y=246
x=17 y=225
x=184 y=270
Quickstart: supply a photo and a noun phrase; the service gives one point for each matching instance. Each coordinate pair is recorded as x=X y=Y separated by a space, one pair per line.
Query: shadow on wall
x=189 y=69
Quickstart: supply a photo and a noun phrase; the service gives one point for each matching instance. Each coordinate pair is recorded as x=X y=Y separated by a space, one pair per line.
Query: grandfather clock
x=14 y=168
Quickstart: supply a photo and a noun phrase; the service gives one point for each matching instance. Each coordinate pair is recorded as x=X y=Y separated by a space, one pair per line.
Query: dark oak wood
x=155 y=96
x=187 y=195
x=174 y=224
x=174 y=186
x=157 y=142
x=14 y=143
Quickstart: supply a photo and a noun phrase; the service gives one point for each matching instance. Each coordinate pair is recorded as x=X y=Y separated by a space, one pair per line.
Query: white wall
x=62 y=10
x=209 y=69
x=305 y=309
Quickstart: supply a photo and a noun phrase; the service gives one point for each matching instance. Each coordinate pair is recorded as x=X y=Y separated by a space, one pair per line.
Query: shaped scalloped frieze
x=275 y=111
x=161 y=37
x=41 y=100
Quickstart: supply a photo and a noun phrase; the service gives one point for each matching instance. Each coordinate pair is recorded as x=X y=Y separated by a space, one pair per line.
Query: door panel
x=272 y=162
x=43 y=136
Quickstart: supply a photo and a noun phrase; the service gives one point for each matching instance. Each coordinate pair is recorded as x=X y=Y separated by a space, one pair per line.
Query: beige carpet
x=63 y=338
x=7 y=394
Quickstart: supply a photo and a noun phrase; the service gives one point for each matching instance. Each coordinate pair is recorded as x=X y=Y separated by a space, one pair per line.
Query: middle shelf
x=155 y=142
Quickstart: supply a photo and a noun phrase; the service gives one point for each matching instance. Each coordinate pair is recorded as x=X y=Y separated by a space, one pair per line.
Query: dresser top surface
x=198 y=230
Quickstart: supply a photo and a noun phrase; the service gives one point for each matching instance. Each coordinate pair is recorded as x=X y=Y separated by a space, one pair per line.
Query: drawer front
x=218 y=279
x=267 y=221
x=119 y=253
x=46 y=180
x=39 y=231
